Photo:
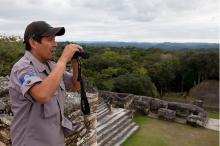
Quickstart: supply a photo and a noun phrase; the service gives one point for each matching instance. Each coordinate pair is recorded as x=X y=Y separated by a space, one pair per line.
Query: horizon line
x=142 y=41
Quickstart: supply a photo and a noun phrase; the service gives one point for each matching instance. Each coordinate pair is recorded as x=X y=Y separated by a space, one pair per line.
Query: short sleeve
x=27 y=77
x=67 y=78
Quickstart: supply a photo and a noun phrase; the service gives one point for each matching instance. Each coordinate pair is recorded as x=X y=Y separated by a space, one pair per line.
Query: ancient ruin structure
x=110 y=122
x=173 y=111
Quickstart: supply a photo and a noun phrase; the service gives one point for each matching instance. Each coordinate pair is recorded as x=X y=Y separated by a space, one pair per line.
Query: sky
x=117 y=20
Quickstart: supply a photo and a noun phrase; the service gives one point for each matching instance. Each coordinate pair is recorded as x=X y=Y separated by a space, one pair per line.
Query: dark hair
x=36 y=38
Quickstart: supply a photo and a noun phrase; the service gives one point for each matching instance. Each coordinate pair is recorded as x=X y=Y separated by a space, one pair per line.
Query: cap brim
x=56 y=31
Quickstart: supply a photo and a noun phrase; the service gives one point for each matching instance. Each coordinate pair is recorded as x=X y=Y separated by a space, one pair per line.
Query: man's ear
x=32 y=43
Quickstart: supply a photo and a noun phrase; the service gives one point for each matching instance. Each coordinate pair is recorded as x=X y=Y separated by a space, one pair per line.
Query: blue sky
x=117 y=20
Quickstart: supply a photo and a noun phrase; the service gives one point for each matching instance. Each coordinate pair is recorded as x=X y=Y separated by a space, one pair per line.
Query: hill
x=146 y=45
x=208 y=92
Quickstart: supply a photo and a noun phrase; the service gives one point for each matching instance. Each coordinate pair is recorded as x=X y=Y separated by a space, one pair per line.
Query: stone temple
x=110 y=122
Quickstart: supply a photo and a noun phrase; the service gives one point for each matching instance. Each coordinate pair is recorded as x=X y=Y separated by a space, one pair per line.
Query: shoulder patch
x=26 y=75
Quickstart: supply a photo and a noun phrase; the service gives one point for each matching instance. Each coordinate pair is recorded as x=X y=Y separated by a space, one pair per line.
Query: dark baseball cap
x=41 y=29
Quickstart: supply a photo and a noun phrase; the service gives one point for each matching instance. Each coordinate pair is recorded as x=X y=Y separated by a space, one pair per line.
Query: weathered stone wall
x=85 y=135
x=180 y=112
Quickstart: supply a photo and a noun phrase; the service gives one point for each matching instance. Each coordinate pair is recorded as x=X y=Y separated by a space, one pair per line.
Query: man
x=37 y=89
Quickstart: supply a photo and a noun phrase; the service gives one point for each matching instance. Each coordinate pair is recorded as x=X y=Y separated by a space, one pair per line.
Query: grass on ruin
x=214 y=115
x=182 y=99
x=155 y=132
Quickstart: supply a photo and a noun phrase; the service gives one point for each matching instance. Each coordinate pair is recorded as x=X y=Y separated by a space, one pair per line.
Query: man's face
x=46 y=49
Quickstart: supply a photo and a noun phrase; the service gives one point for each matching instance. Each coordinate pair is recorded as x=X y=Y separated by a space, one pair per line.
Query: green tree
x=163 y=74
x=11 y=49
x=198 y=66
x=136 y=84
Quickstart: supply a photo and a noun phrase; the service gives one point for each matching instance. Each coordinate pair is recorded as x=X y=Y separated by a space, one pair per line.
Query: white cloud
x=117 y=20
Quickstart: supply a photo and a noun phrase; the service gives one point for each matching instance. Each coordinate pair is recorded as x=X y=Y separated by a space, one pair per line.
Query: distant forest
x=164 y=45
x=151 y=72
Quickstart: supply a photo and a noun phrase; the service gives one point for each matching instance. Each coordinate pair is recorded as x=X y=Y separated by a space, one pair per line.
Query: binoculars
x=82 y=54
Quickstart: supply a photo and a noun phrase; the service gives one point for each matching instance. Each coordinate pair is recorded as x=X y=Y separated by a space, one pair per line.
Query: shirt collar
x=37 y=64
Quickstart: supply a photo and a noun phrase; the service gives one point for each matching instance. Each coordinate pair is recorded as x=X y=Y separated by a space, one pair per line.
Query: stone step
x=111 y=119
x=99 y=109
x=101 y=104
x=108 y=117
x=112 y=131
x=111 y=127
x=115 y=127
x=122 y=136
x=102 y=114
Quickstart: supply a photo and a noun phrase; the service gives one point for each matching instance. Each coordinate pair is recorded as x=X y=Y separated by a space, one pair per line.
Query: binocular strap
x=84 y=100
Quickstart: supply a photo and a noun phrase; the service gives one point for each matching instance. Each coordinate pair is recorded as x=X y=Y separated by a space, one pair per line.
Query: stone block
x=166 y=114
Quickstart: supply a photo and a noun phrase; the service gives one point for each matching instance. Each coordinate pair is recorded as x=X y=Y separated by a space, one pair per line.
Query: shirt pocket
x=51 y=108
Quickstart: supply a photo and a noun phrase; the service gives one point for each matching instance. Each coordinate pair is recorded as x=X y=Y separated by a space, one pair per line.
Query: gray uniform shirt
x=36 y=124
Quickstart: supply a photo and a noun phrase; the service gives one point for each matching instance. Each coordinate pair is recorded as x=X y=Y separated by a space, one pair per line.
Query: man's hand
x=69 y=51
x=66 y=56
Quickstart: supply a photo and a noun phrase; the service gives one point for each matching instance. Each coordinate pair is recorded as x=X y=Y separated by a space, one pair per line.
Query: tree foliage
x=11 y=49
x=123 y=69
x=150 y=72
x=136 y=84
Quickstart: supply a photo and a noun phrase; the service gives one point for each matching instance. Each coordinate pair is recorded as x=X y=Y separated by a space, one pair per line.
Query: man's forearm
x=43 y=91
